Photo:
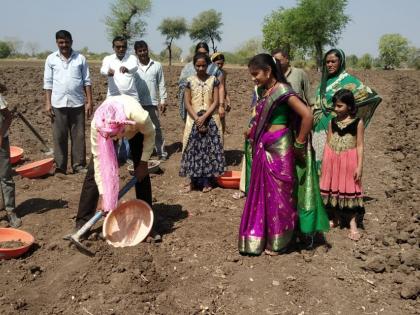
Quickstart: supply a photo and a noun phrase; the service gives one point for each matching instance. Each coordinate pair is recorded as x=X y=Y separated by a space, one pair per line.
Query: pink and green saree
x=269 y=217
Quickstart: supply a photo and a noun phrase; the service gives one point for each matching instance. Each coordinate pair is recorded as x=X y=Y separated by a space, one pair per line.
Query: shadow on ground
x=39 y=205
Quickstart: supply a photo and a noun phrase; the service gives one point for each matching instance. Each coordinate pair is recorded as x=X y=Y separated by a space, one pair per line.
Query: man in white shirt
x=151 y=89
x=67 y=85
x=120 y=69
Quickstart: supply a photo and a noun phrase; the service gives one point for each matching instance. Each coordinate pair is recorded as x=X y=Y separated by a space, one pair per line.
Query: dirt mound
x=394 y=249
x=197 y=269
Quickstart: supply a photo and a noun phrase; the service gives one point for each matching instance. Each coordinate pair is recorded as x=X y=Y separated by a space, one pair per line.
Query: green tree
x=393 y=49
x=414 y=58
x=85 y=51
x=365 y=62
x=275 y=31
x=15 y=45
x=176 y=53
x=43 y=54
x=206 y=27
x=127 y=18
x=317 y=23
x=377 y=63
x=351 y=61
x=5 y=50
x=172 y=29
x=312 y=25
x=246 y=51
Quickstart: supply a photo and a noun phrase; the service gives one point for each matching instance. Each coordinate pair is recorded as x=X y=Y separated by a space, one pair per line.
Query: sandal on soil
x=354 y=236
x=238 y=195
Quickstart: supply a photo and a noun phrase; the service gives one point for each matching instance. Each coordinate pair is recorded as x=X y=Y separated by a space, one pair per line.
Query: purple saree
x=269 y=217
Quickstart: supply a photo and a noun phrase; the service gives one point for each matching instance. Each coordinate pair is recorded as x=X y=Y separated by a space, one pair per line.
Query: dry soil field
x=197 y=269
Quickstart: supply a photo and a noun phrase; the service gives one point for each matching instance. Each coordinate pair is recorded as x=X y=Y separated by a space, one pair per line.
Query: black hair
x=325 y=75
x=140 y=44
x=202 y=45
x=201 y=56
x=118 y=39
x=63 y=34
x=339 y=54
x=219 y=57
x=347 y=97
x=281 y=51
x=265 y=62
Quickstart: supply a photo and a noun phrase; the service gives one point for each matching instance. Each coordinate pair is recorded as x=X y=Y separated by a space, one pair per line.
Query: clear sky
x=38 y=20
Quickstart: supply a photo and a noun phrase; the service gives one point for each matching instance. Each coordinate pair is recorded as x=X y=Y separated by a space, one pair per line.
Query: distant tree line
x=304 y=31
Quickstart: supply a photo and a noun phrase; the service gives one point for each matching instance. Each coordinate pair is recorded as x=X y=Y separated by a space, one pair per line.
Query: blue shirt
x=150 y=83
x=66 y=79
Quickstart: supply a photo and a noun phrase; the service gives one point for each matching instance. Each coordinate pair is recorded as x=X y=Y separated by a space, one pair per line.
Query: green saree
x=312 y=215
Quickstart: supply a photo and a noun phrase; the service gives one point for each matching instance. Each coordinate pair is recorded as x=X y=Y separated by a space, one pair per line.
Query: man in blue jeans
x=150 y=83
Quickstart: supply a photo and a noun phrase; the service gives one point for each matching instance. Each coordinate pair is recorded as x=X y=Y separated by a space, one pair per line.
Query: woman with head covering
x=334 y=78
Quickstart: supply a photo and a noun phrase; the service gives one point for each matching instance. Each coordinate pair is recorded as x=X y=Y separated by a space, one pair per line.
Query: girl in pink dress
x=342 y=163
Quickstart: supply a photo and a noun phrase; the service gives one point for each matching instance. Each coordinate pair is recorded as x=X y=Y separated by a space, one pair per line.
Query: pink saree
x=269 y=217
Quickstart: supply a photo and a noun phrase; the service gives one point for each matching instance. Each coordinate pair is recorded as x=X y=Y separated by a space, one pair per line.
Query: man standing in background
x=120 y=68
x=67 y=84
x=151 y=92
x=297 y=78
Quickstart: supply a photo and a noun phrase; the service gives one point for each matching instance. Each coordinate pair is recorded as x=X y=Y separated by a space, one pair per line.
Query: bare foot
x=270 y=252
x=333 y=224
x=186 y=189
x=354 y=235
x=207 y=189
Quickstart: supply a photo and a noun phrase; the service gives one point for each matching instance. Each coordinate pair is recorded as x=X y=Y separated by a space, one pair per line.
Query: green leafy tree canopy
x=414 y=58
x=172 y=29
x=206 y=27
x=127 y=18
x=312 y=25
x=351 y=61
x=393 y=49
x=365 y=62
x=275 y=31
x=5 y=50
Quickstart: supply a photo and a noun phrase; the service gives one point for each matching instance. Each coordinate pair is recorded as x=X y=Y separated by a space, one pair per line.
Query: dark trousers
x=69 y=120
x=90 y=194
x=7 y=184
